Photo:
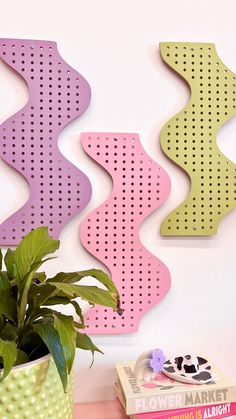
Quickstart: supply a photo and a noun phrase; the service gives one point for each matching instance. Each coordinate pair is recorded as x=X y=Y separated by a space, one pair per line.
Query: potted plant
x=37 y=342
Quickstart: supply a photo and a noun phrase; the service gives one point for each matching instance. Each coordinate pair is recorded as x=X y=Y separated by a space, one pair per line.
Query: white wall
x=114 y=44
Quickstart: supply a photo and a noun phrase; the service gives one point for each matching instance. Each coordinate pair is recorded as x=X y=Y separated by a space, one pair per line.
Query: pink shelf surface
x=100 y=410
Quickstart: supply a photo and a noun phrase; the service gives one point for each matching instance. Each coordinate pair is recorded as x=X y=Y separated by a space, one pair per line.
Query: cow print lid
x=189 y=369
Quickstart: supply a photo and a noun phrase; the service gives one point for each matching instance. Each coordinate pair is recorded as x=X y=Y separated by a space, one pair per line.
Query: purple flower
x=157 y=360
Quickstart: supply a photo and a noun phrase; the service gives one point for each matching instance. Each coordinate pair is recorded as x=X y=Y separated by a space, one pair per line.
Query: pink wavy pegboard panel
x=28 y=139
x=111 y=232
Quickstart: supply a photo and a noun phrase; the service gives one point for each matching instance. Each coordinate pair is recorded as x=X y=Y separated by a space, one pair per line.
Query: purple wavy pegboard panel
x=28 y=140
x=111 y=232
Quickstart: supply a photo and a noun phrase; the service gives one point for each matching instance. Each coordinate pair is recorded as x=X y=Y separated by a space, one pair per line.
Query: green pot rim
x=31 y=363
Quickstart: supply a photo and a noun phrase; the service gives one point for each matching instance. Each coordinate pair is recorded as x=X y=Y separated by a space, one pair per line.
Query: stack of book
x=164 y=398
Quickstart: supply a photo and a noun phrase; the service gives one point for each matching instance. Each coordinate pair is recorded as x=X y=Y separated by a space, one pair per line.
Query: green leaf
x=9 y=262
x=40 y=293
x=0 y=259
x=51 y=301
x=4 y=281
x=33 y=247
x=2 y=321
x=24 y=287
x=51 y=339
x=102 y=277
x=78 y=325
x=8 y=352
x=22 y=358
x=84 y=342
x=8 y=305
x=78 y=312
x=9 y=332
x=40 y=312
x=68 y=277
x=29 y=339
x=16 y=273
x=98 y=274
x=92 y=294
x=64 y=301
x=40 y=276
x=65 y=327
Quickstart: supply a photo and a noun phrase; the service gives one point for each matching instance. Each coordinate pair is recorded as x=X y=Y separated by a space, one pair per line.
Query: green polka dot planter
x=34 y=391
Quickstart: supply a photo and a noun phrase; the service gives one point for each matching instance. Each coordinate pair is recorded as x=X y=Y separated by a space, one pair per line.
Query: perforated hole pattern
x=57 y=95
x=189 y=139
x=111 y=232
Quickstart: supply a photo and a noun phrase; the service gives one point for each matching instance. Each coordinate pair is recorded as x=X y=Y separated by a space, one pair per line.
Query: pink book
x=203 y=412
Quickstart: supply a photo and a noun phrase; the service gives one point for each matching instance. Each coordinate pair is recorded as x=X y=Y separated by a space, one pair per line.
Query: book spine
x=178 y=400
x=203 y=412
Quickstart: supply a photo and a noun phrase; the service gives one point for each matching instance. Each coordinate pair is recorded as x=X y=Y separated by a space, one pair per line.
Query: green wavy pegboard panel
x=189 y=139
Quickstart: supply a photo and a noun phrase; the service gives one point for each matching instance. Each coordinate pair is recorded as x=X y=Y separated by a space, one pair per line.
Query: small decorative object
x=186 y=369
x=157 y=361
x=149 y=364
x=33 y=383
x=189 y=139
x=28 y=140
x=189 y=369
x=111 y=232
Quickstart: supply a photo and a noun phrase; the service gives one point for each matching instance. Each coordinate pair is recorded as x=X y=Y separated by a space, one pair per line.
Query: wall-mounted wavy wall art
x=189 y=139
x=28 y=140
x=111 y=232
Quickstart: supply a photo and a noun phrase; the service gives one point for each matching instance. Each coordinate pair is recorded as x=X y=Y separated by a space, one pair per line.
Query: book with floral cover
x=164 y=393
